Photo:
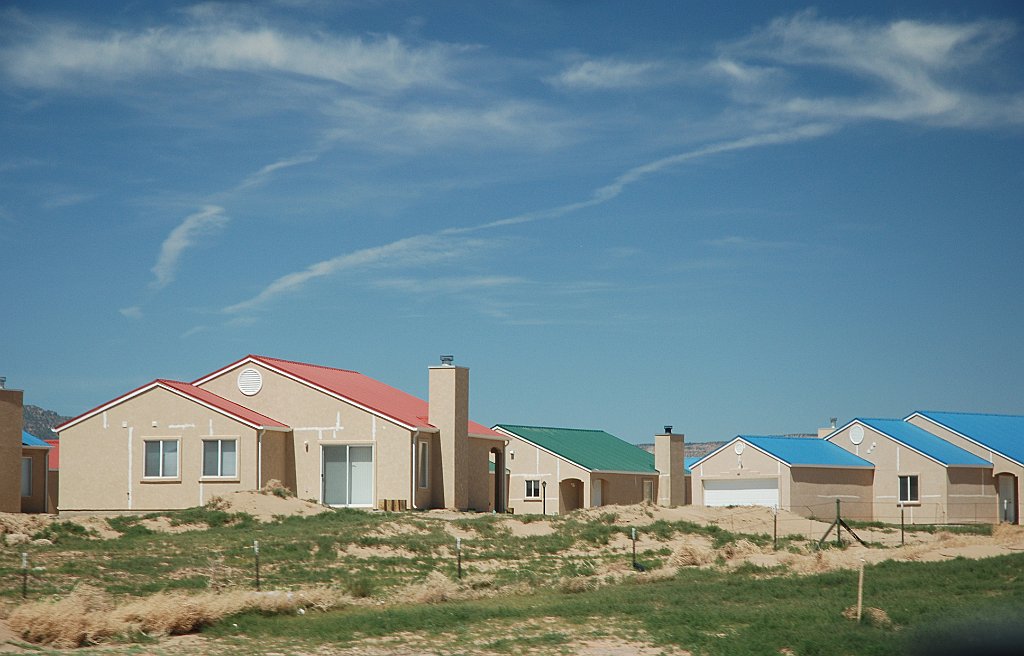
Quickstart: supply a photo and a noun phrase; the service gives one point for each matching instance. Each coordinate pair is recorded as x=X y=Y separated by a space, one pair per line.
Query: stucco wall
x=814 y=490
x=532 y=463
x=102 y=458
x=892 y=460
x=10 y=450
x=36 y=503
x=623 y=489
x=278 y=459
x=1000 y=464
x=972 y=495
x=478 y=478
x=751 y=464
x=318 y=419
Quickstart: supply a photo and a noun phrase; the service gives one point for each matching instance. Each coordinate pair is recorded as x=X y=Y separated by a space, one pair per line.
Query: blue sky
x=732 y=221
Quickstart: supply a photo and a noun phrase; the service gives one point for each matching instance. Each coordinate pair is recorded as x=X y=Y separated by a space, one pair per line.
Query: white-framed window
x=533 y=489
x=909 y=489
x=26 y=477
x=220 y=458
x=423 y=464
x=161 y=459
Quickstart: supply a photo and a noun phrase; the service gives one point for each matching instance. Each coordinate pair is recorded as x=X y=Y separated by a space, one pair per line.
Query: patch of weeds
x=750 y=569
x=62 y=530
x=575 y=568
x=210 y=516
x=129 y=526
x=595 y=533
x=608 y=518
x=520 y=645
x=360 y=587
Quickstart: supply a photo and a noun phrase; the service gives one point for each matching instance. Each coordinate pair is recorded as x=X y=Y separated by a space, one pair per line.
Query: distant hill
x=39 y=421
x=690 y=449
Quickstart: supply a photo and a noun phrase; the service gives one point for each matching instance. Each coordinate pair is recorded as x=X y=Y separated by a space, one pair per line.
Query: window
x=423 y=464
x=161 y=459
x=908 y=489
x=532 y=489
x=220 y=458
x=26 y=477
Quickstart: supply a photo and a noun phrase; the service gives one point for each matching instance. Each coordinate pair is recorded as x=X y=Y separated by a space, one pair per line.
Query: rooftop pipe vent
x=3 y=382
x=447 y=360
x=668 y=430
x=832 y=421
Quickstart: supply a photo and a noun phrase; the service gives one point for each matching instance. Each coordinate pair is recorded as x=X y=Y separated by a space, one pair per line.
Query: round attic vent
x=250 y=382
x=856 y=434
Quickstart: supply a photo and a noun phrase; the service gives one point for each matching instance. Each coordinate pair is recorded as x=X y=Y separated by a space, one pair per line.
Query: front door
x=595 y=493
x=1007 y=498
x=347 y=475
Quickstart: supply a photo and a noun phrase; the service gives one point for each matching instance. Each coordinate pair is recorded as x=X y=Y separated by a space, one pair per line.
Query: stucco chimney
x=11 y=424
x=449 y=413
x=668 y=460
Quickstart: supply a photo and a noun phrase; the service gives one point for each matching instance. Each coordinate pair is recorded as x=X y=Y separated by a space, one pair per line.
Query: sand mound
x=265 y=507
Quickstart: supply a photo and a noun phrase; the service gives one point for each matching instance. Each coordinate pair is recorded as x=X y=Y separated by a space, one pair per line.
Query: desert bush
x=89 y=616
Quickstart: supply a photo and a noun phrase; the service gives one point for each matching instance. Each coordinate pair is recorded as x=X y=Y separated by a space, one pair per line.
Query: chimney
x=449 y=413
x=11 y=425
x=668 y=460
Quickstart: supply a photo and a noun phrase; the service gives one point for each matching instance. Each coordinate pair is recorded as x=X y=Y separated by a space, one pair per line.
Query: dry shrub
x=576 y=584
x=869 y=615
x=691 y=555
x=740 y=548
x=89 y=616
x=1008 y=534
x=276 y=488
x=218 y=503
x=434 y=589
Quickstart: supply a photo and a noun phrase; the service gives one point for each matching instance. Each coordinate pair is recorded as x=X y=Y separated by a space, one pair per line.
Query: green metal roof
x=595 y=450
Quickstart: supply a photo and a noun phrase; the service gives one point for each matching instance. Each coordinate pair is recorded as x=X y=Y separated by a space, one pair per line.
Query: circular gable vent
x=250 y=382
x=856 y=434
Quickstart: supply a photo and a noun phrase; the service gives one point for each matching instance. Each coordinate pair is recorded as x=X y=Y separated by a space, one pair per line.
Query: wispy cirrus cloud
x=187 y=234
x=419 y=250
x=61 y=55
x=904 y=70
x=609 y=73
x=265 y=173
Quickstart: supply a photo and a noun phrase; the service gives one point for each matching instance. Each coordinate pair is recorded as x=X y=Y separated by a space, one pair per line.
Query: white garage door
x=742 y=492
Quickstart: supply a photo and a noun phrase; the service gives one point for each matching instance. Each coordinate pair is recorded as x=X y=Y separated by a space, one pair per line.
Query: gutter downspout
x=259 y=457
x=412 y=473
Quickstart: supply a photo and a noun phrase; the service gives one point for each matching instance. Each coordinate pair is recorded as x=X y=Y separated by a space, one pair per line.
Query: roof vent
x=3 y=382
x=447 y=360
x=668 y=430
x=832 y=421
x=250 y=381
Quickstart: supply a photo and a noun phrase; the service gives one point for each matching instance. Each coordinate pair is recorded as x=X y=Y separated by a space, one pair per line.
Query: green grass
x=704 y=611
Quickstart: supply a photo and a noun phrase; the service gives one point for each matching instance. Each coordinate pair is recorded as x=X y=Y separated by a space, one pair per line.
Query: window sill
x=532 y=499
x=908 y=503
x=220 y=479
x=161 y=480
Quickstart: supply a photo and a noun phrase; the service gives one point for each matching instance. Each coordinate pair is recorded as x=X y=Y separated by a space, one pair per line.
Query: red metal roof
x=363 y=390
x=220 y=403
x=54 y=457
x=206 y=397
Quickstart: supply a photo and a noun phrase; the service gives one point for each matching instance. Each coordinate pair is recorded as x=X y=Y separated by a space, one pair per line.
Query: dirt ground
x=687 y=550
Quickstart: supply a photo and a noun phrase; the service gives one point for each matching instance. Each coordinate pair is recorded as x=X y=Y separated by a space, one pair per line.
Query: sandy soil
x=612 y=560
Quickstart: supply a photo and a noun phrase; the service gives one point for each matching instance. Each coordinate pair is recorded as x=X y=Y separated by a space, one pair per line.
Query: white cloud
x=511 y=123
x=900 y=71
x=134 y=312
x=413 y=251
x=203 y=223
x=61 y=55
x=608 y=74
x=264 y=174
x=448 y=285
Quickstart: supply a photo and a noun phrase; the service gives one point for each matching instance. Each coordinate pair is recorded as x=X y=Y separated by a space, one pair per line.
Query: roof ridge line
x=305 y=364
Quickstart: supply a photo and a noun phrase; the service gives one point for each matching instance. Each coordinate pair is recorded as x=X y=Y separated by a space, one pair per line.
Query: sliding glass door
x=347 y=475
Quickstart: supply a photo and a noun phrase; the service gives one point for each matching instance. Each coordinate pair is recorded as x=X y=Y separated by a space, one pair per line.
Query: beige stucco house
x=920 y=478
x=996 y=439
x=23 y=458
x=802 y=475
x=330 y=435
x=558 y=470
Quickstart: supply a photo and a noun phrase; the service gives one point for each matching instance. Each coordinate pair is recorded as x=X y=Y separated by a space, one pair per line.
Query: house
x=802 y=475
x=331 y=435
x=35 y=456
x=23 y=457
x=920 y=477
x=997 y=439
x=558 y=470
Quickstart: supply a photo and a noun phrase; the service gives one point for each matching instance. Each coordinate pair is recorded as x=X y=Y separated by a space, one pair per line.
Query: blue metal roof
x=921 y=440
x=805 y=451
x=688 y=463
x=27 y=439
x=1001 y=433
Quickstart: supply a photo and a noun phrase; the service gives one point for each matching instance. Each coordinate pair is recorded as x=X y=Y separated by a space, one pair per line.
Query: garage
x=742 y=492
